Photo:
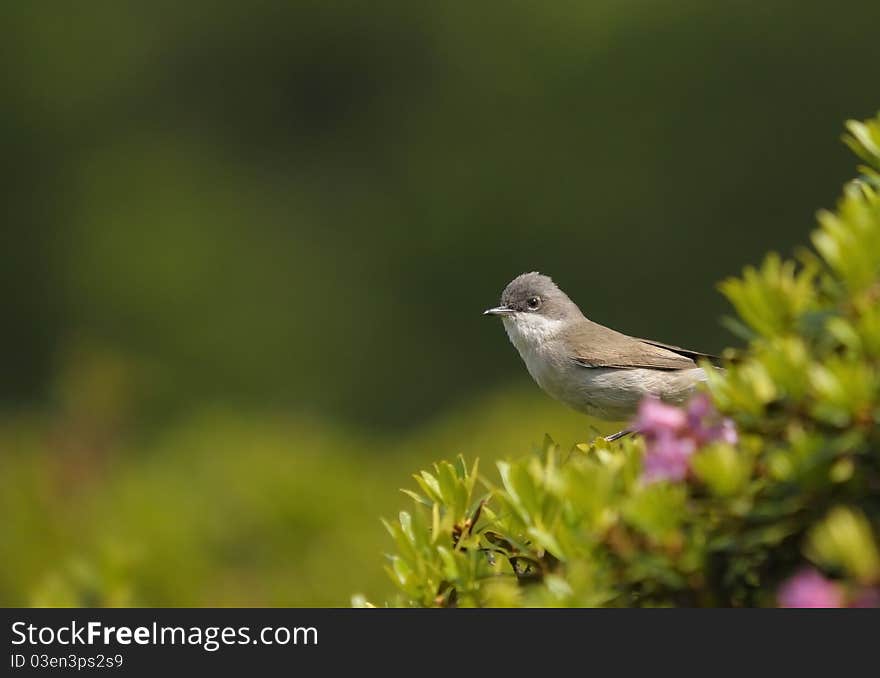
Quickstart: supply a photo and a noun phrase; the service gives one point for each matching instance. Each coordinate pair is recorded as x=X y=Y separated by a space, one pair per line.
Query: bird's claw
x=620 y=434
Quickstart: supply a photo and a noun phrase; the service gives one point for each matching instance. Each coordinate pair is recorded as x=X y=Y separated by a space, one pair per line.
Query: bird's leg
x=620 y=434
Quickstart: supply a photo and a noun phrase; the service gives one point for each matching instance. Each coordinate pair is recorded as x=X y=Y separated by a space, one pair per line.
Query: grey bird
x=587 y=366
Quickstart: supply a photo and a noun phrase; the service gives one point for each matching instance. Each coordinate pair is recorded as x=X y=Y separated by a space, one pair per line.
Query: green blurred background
x=246 y=248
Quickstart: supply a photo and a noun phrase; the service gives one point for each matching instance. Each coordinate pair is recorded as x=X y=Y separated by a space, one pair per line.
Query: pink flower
x=706 y=424
x=699 y=408
x=673 y=434
x=808 y=588
x=727 y=432
x=667 y=457
x=655 y=417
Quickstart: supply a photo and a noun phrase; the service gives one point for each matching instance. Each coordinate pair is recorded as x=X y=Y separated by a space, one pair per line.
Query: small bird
x=588 y=366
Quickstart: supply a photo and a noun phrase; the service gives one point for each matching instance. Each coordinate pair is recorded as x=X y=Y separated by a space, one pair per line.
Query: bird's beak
x=499 y=310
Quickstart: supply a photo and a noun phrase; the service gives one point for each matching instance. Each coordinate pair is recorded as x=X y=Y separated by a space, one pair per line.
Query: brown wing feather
x=599 y=346
x=693 y=355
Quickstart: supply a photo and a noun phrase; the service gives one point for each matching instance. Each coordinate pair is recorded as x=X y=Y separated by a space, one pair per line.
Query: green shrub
x=782 y=510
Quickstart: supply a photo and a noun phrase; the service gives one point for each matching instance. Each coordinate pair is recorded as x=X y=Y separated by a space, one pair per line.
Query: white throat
x=530 y=331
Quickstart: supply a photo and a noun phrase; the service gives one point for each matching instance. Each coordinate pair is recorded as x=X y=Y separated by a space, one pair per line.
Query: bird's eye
x=533 y=303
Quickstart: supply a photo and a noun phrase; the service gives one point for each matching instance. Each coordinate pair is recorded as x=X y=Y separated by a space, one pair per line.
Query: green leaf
x=657 y=509
x=845 y=539
x=416 y=497
x=723 y=468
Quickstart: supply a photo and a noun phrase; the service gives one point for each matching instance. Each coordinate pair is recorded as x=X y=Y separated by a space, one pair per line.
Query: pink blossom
x=808 y=588
x=667 y=457
x=727 y=432
x=699 y=408
x=655 y=417
x=706 y=424
x=673 y=434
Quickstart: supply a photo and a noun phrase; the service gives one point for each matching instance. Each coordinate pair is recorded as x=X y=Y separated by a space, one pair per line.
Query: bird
x=589 y=367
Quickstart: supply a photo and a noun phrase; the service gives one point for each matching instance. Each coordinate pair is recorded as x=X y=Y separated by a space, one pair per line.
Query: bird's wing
x=599 y=346
x=693 y=355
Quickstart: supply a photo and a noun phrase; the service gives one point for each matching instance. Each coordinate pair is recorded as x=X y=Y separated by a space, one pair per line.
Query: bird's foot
x=620 y=434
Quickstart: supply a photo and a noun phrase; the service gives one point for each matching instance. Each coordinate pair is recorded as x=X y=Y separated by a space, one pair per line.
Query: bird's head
x=534 y=307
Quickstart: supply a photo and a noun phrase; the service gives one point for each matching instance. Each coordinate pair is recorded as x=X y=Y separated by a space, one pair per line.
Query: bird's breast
x=554 y=372
x=603 y=392
x=611 y=393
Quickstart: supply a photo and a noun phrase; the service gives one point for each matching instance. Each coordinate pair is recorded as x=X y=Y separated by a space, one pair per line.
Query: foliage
x=222 y=507
x=786 y=512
